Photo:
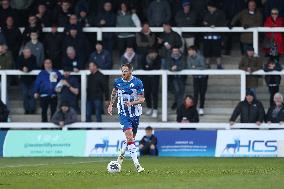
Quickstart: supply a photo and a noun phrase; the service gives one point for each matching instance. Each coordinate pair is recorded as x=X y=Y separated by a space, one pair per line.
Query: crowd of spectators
x=73 y=50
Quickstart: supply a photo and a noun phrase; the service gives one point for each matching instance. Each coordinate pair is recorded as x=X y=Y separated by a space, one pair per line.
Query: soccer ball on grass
x=113 y=167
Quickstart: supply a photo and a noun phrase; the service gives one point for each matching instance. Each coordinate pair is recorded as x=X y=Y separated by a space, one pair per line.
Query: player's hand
x=109 y=110
x=128 y=104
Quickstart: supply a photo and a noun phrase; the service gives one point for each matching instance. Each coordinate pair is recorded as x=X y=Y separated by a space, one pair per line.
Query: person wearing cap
x=251 y=63
x=250 y=110
x=44 y=88
x=65 y=115
x=68 y=87
x=158 y=12
x=187 y=18
x=213 y=41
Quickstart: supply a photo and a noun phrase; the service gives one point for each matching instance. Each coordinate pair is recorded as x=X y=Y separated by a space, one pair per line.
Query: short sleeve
x=140 y=88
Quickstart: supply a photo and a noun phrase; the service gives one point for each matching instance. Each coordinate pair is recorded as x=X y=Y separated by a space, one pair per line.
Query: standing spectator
x=96 y=93
x=36 y=48
x=187 y=112
x=271 y=4
x=6 y=11
x=5 y=58
x=250 y=17
x=275 y=113
x=186 y=18
x=68 y=87
x=4 y=112
x=272 y=81
x=33 y=26
x=72 y=62
x=106 y=18
x=62 y=13
x=43 y=15
x=45 y=84
x=65 y=115
x=73 y=22
x=13 y=37
x=176 y=63
x=101 y=57
x=167 y=40
x=26 y=63
x=250 y=64
x=130 y=57
x=83 y=17
x=274 y=46
x=195 y=61
x=148 y=144
x=145 y=39
x=126 y=19
x=158 y=12
x=213 y=41
x=199 y=6
x=251 y=110
x=152 y=61
x=53 y=46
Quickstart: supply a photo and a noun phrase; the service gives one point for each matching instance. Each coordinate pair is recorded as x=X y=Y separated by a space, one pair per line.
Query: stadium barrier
x=171 y=143
x=163 y=73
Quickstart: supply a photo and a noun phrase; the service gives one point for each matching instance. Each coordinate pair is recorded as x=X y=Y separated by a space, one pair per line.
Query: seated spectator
x=33 y=26
x=72 y=62
x=45 y=84
x=53 y=46
x=251 y=63
x=274 y=45
x=271 y=4
x=65 y=115
x=250 y=110
x=275 y=113
x=158 y=12
x=176 y=63
x=97 y=92
x=145 y=39
x=130 y=57
x=26 y=63
x=272 y=81
x=43 y=15
x=126 y=19
x=148 y=144
x=101 y=57
x=68 y=87
x=187 y=112
x=36 y=48
x=195 y=61
x=152 y=61
x=4 y=112
x=5 y=58
x=62 y=13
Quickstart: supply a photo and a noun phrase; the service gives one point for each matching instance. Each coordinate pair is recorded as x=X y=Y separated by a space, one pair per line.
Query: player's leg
x=124 y=122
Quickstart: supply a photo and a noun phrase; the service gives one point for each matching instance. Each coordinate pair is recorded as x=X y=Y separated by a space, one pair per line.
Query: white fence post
x=164 y=96
x=243 y=85
x=255 y=41
x=83 y=95
x=4 y=87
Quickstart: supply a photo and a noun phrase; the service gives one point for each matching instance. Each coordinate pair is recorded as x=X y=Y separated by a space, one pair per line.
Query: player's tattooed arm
x=140 y=100
x=113 y=96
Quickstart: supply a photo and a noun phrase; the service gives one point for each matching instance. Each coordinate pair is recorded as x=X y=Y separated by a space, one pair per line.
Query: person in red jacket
x=274 y=46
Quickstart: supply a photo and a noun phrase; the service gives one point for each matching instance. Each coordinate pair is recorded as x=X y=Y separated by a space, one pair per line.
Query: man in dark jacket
x=148 y=144
x=72 y=61
x=250 y=110
x=101 y=57
x=65 y=115
x=26 y=63
x=45 y=84
x=158 y=12
x=5 y=11
x=97 y=91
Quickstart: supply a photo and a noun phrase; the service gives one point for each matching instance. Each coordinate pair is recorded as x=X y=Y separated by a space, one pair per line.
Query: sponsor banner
x=186 y=143
x=107 y=143
x=248 y=143
x=44 y=143
x=2 y=139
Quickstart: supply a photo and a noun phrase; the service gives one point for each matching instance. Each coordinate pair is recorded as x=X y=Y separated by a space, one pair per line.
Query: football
x=113 y=167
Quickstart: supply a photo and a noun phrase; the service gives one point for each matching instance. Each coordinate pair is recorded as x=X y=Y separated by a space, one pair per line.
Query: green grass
x=161 y=173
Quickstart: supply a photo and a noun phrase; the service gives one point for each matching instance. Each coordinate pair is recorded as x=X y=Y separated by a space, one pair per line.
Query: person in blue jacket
x=45 y=84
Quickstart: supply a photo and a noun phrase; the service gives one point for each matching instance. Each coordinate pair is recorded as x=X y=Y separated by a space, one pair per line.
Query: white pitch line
x=47 y=164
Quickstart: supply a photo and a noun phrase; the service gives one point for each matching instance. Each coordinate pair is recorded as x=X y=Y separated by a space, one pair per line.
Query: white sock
x=133 y=153
x=123 y=148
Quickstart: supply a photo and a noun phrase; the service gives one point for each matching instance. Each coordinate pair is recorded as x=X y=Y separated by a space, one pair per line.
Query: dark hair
x=149 y=128
x=92 y=62
x=192 y=47
x=189 y=96
x=129 y=66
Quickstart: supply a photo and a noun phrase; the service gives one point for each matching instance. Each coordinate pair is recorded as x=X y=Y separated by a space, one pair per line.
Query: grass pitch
x=161 y=173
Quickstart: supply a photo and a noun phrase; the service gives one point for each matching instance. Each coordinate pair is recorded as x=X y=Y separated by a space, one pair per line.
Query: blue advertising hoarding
x=186 y=143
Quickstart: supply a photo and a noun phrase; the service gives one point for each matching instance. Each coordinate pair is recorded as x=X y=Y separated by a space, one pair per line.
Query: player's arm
x=140 y=100
x=113 y=98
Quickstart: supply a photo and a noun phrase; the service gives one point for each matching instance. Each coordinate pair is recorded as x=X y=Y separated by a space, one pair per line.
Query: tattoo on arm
x=113 y=96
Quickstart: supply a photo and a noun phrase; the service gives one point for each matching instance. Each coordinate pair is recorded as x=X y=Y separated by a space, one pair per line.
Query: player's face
x=126 y=73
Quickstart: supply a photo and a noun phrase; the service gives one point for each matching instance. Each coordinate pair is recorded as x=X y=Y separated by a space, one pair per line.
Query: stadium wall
x=176 y=143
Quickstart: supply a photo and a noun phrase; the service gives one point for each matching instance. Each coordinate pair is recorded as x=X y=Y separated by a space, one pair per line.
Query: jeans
x=98 y=106
x=151 y=87
x=199 y=89
x=178 y=84
x=45 y=102
x=29 y=102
